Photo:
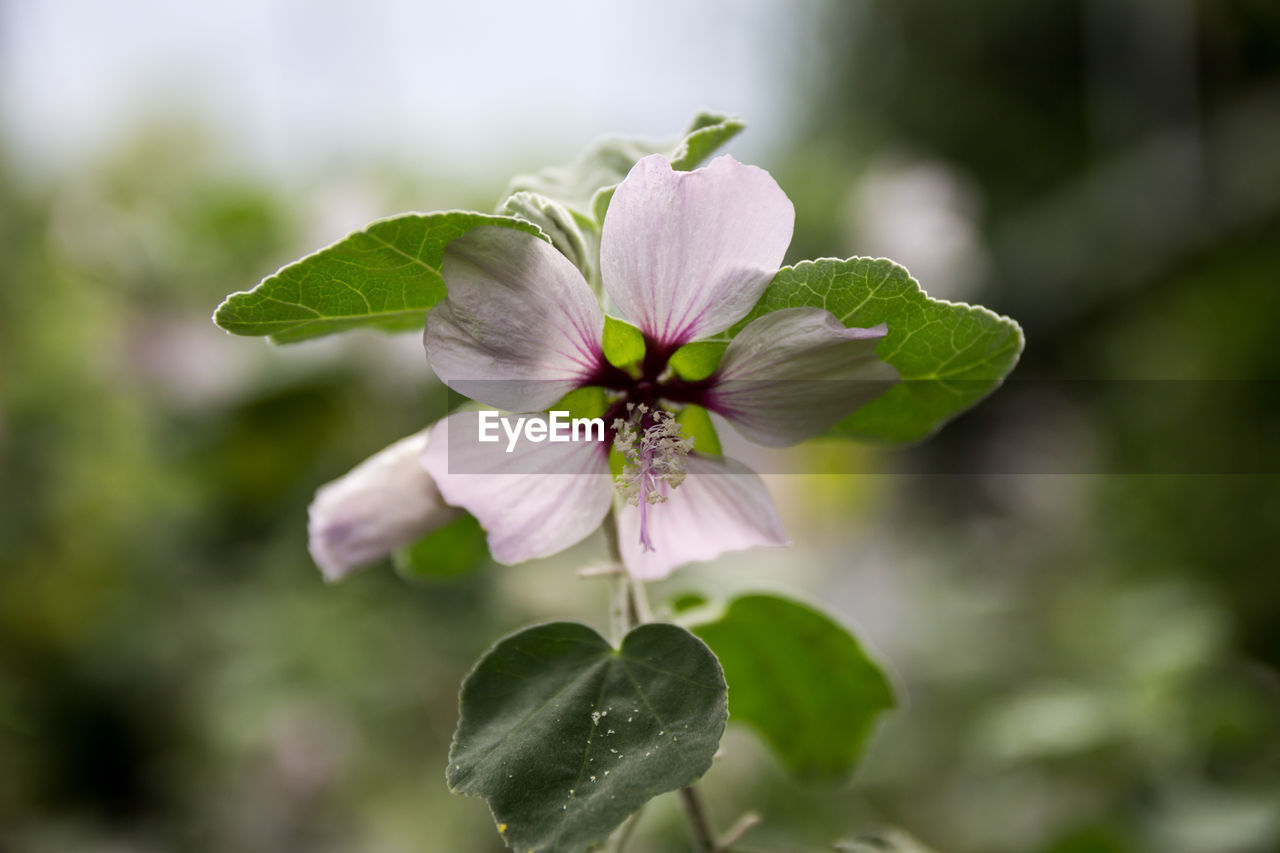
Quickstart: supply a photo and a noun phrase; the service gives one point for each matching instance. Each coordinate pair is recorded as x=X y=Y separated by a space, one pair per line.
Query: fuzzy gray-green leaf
x=606 y=163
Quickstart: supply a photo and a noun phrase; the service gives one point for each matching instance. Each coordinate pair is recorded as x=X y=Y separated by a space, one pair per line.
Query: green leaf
x=385 y=277
x=801 y=680
x=697 y=360
x=566 y=736
x=623 y=343
x=606 y=163
x=703 y=138
x=443 y=554
x=949 y=355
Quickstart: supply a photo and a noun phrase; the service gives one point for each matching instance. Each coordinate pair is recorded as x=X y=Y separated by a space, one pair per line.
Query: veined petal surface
x=520 y=328
x=687 y=254
x=386 y=501
x=534 y=501
x=792 y=374
x=721 y=506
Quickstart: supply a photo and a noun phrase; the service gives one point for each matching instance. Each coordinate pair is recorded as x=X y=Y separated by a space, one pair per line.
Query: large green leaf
x=949 y=355
x=385 y=277
x=802 y=681
x=606 y=163
x=566 y=736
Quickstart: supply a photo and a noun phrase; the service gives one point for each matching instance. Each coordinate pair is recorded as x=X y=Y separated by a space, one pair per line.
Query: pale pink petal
x=537 y=500
x=687 y=254
x=791 y=374
x=386 y=501
x=520 y=327
x=721 y=506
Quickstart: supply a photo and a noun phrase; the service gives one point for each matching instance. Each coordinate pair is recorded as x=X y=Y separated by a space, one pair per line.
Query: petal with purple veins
x=520 y=328
x=793 y=373
x=685 y=255
x=721 y=506
x=534 y=501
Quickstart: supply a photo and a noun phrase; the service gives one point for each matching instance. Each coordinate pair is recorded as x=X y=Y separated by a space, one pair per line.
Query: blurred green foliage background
x=1087 y=662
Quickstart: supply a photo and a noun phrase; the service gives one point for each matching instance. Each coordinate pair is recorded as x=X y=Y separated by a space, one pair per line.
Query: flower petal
x=793 y=373
x=520 y=328
x=537 y=500
x=721 y=506
x=687 y=254
x=386 y=501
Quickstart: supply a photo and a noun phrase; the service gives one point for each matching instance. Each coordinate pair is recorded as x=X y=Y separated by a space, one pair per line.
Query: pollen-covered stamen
x=655 y=451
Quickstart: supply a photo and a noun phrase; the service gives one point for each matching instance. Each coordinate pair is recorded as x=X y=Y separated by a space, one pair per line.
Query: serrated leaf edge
x=358 y=231
x=981 y=309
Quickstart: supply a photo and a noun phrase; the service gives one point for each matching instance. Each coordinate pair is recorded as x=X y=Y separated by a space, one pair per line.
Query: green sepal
x=589 y=402
x=450 y=551
x=695 y=422
x=697 y=360
x=623 y=343
x=617 y=462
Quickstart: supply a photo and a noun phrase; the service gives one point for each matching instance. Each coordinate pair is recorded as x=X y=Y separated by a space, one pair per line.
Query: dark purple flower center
x=649 y=386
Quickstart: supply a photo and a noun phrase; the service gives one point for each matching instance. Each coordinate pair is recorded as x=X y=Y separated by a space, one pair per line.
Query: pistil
x=655 y=451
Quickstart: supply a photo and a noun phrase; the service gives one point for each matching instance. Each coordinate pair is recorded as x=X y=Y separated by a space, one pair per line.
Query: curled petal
x=386 y=501
x=721 y=506
x=534 y=501
x=520 y=328
x=687 y=254
x=791 y=374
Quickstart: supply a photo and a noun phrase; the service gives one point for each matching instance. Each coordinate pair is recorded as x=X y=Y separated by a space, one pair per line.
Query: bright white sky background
x=462 y=85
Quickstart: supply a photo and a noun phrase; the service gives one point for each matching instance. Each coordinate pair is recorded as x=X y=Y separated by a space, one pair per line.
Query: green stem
x=638 y=612
x=704 y=837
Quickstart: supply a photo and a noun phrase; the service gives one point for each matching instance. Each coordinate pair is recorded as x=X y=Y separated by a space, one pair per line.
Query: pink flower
x=683 y=256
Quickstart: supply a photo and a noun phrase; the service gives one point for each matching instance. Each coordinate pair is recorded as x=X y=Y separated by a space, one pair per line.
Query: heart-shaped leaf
x=386 y=276
x=801 y=680
x=565 y=736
